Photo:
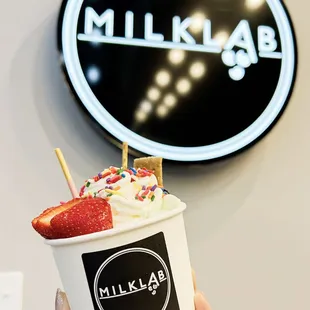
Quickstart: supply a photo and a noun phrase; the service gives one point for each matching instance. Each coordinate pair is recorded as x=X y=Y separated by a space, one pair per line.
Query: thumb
x=200 y=302
x=61 y=301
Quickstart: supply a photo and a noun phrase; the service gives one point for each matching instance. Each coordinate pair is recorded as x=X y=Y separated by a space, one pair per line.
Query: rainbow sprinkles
x=109 y=182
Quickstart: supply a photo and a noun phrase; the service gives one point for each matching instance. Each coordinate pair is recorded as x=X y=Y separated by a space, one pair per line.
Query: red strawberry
x=42 y=223
x=89 y=216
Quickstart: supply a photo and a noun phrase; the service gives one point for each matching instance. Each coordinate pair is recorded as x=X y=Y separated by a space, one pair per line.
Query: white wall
x=248 y=218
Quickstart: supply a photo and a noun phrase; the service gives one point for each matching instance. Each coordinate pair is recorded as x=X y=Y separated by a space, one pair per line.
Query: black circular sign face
x=185 y=80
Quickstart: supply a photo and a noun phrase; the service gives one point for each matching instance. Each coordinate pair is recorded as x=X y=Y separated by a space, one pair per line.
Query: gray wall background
x=247 y=218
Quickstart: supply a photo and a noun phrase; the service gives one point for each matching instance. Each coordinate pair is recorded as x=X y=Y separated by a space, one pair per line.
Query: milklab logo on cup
x=136 y=276
x=150 y=282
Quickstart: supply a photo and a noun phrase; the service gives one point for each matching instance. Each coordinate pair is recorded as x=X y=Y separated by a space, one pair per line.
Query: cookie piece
x=151 y=163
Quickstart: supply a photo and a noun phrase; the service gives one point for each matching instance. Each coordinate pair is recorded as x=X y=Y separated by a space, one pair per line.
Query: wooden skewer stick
x=125 y=156
x=67 y=173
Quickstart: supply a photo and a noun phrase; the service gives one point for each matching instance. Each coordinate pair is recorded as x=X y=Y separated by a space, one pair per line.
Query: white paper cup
x=142 y=266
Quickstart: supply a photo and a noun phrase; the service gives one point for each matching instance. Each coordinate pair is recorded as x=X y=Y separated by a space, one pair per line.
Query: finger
x=200 y=302
x=194 y=280
x=61 y=301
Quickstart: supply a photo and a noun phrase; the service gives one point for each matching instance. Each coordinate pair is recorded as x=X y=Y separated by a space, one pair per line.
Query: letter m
x=104 y=293
x=92 y=18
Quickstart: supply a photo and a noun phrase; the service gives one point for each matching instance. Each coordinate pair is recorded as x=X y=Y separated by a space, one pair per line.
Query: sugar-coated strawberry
x=89 y=216
x=42 y=223
x=35 y=220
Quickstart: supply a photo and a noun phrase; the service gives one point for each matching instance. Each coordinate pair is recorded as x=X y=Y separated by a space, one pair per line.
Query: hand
x=200 y=301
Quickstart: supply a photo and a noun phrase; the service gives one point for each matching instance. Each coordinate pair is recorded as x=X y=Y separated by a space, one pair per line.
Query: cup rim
x=115 y=231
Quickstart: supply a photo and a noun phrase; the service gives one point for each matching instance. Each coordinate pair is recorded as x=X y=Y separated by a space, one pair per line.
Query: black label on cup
x=136 y=276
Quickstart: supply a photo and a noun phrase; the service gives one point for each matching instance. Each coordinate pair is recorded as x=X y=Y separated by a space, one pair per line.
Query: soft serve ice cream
x=112 y=198
x=133 y=194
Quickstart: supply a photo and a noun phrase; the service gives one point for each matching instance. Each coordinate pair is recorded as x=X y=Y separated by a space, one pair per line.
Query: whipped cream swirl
x=133 y=194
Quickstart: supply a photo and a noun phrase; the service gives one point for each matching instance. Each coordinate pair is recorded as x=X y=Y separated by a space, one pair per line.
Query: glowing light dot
x=183 y=86
x=197 y=70
x=221 y=37
x=176 y=57
x=93 y=74
x=254 y=4
x=96 y=33
x=146 y=106
x=140 y=116
x=163 y=78
x=170 y=100
x=153 y=94
x=162 y=111
x=198 y=20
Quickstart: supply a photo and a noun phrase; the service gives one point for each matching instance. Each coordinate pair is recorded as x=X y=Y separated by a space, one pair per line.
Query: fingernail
x=61 y=302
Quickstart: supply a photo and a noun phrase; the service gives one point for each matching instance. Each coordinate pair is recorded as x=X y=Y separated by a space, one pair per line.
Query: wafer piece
x=151 y=163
